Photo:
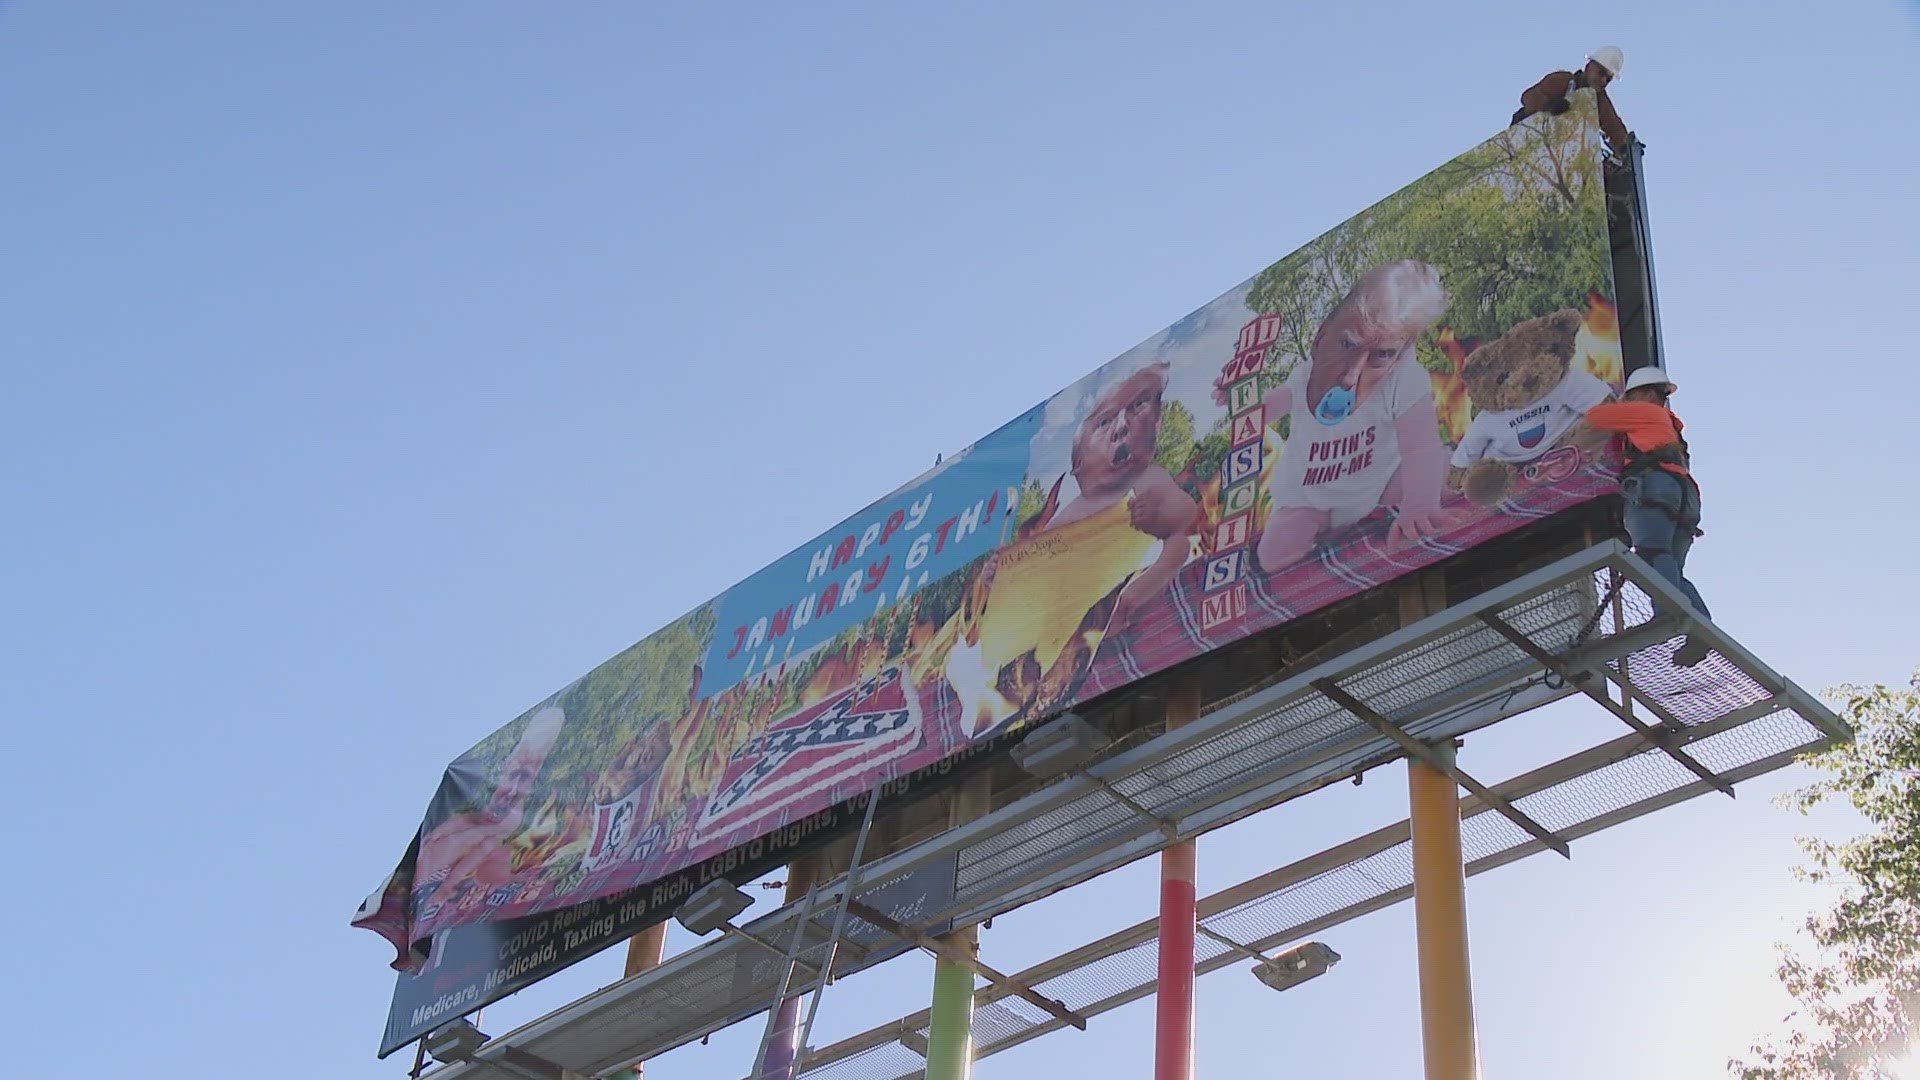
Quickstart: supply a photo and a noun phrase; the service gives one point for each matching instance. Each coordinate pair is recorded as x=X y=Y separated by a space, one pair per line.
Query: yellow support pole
x=1439 y=887
x=1440 y=921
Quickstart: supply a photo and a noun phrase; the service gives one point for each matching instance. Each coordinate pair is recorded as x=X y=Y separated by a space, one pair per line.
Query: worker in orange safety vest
x=1662 y=497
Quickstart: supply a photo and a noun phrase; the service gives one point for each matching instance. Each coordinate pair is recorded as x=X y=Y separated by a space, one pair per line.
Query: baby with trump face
x=1033 y=597
x=1363 y=433
x=1112 y=458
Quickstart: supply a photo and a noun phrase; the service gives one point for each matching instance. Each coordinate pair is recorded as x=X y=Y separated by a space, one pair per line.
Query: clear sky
x=374 y=369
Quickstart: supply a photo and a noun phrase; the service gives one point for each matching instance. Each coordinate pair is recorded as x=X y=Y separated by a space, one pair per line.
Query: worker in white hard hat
x=1549 y=95
x=1662 y=497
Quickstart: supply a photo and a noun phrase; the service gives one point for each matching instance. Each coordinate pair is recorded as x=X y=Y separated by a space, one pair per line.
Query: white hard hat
x=1609 y=57
x=1650 y=376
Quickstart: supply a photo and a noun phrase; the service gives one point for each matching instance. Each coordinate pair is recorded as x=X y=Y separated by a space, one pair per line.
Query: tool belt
x=1634 y=476
x=1673 y=453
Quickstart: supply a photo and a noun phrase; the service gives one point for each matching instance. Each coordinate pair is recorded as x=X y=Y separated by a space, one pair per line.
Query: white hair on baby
x=543 y=730
x=1402 y=298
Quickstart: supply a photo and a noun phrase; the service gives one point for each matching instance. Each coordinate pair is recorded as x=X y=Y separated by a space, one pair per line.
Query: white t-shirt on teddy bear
x=1520 y=435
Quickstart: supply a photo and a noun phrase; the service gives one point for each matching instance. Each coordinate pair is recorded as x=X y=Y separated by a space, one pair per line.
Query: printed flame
x=1048 y=508
x=1275 y=447
x=982 y=705
x=1599 y=340
x=536 y=844
x=1450 y=388
x=1211 y=507
x=1030 y=649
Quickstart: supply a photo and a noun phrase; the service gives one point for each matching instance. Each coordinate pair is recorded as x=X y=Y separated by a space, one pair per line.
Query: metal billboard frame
x=1631 y=269
x=1444 y=676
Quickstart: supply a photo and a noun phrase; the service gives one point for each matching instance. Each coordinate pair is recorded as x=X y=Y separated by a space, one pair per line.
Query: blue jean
x=1662 y=513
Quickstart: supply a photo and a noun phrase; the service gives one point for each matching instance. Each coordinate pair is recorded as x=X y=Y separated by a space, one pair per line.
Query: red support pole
x=1173 y=1034
x=1173 y=1030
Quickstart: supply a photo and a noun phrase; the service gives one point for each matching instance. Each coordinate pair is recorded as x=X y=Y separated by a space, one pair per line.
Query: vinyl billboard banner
x=483 y=962
x=1406 y=386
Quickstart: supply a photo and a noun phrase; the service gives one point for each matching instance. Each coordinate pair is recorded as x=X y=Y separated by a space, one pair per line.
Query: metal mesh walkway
x=1592 y=616
x=1580 y=795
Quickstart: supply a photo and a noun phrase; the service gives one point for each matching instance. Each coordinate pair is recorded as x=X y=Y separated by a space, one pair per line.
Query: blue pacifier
x=1336 y=405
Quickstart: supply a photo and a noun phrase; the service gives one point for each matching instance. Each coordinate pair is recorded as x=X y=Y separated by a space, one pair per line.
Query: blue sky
x=373 y=370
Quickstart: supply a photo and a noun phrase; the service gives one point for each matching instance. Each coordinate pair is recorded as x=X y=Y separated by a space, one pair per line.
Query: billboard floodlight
x=1066 y=743
x=455 y=1042
x=1296 y=965
x=712 y=907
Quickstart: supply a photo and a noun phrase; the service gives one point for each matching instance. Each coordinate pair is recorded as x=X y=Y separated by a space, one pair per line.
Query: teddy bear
x=1530 y=399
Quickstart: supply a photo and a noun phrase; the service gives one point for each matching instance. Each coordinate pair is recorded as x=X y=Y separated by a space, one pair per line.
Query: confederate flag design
x=841 y=738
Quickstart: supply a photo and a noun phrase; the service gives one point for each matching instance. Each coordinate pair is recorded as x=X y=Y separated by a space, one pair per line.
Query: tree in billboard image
x=517 y=817
x=1491 y=266
x=1279 y=449
x=1329 y=453
x=1328 y=396
x=611 y=755
x=1508 y=224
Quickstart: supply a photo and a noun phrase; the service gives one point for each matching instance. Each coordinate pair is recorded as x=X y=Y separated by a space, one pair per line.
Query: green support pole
x=950 y=1035
x=950 y=1022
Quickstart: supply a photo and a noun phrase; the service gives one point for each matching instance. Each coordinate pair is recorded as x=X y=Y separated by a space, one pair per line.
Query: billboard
x=480 y=963
x=1406 y=386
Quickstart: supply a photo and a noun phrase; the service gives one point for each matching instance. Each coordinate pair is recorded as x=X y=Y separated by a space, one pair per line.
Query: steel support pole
x=950 y=1021
x=778 y=1056
x=644 y=952
x=1173 y=1020
x=950 y=1032
x=1439 y=883
x=1440 y=920
x=645 y=949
